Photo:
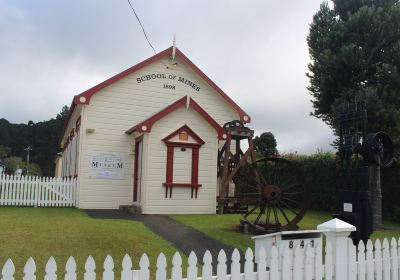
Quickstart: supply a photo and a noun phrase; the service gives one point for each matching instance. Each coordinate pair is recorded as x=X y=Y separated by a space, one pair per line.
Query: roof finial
x=173 y=48
x=187 y=101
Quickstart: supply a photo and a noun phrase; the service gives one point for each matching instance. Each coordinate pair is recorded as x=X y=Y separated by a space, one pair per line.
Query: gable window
x=183 y=136
x=182 y=168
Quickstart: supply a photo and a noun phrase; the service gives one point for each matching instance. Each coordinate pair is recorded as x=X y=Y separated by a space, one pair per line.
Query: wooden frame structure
x=230 y=163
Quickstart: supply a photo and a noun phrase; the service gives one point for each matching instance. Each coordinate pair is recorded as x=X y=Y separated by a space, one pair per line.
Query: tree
x=265 y=144
x=12 y=164
x=33 y=169
x=43 y=137
x=355 y=53
x=4 y=152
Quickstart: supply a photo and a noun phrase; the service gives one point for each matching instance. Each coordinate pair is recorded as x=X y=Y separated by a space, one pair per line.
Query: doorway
x=137 y=177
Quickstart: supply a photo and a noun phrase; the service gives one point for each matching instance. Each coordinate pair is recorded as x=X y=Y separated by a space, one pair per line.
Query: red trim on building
x=90 y=92
x=189 y=132
x=78 y=123
x=146 y=125
x=169 y=171
x=171 y=145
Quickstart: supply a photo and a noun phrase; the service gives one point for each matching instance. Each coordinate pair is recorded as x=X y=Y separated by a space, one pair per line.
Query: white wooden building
x=148 y=136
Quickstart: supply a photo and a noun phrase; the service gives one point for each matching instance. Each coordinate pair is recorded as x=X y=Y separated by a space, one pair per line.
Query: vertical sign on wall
x=105 y=165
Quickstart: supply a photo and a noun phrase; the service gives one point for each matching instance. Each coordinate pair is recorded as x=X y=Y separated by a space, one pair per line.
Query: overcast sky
x=256 y=51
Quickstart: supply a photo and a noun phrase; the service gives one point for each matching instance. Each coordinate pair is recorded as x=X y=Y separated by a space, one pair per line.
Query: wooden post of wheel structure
x=230 y=163
x=224 y=187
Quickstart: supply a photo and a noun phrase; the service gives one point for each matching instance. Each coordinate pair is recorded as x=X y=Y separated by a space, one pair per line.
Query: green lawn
x=223 y=227
x=45 y=232
x=41 y=233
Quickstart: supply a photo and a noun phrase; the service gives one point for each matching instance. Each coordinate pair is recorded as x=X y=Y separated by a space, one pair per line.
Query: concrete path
x=182 y=237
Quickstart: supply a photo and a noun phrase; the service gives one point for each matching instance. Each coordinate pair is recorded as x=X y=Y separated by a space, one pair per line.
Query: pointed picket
x=274 y=264
x=352 y=252
x=161 y=272
x=126 y=272
x=16 y=189
x=394 y=259
x=328 y=261
x=378 y=259
x=207 y=266
x=398 y=256
x=90 y=267
x=386 y=260
x=361 y=261
x=192 y=266
x=176 y=273
x=144 y=264
x=24 y=191
x=29 y=270
x=51 y=269
x=70 y=269
x=235 y=265
x=262 y=273
x=8 y=270
x=370 y=260
x=248 y=265
x=221 y=266
x=108 y=266
x=6 y=190
x=35 y=189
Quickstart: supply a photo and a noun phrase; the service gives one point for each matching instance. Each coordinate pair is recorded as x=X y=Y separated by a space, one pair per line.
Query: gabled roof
x=147 y=124
x=84 y=97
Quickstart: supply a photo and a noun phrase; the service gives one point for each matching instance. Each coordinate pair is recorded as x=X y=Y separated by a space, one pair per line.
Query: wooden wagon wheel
x=277 y=194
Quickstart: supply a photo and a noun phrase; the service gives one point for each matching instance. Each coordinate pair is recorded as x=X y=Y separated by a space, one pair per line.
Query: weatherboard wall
x=126 y=103
x=181 y=200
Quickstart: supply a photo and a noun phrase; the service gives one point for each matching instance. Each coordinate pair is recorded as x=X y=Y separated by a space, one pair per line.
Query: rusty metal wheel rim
x=280 y=202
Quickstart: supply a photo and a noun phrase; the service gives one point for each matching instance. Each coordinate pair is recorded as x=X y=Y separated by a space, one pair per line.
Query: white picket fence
x=37 y=191
x=368 y=262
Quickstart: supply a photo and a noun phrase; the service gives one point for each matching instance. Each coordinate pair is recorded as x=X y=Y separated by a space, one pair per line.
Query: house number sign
x=168 y=77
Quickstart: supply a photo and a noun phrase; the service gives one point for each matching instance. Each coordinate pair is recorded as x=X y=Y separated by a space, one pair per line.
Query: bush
x=390 y=192
x=320 y=175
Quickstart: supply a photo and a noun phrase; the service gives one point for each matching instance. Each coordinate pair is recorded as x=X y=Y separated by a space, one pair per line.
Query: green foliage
x=354 y=48
x=395 y=216
x=33 y=169
x=390 y=192
x=320 y=175
x=265 y=144
x=4 y=152
x=12 y=164
x=43 y=137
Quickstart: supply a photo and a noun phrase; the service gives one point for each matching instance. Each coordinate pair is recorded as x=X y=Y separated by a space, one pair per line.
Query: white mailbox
x=291 y=239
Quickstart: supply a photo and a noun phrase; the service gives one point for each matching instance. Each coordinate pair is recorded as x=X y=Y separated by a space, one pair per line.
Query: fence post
x=337 y=233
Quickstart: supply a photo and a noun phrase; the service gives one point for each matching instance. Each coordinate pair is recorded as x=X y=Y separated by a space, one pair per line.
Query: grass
x=41 y=233
x=45 y=232
x=223 y=227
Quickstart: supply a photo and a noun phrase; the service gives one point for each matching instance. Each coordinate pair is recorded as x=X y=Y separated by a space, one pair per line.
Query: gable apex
x=85 y=97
